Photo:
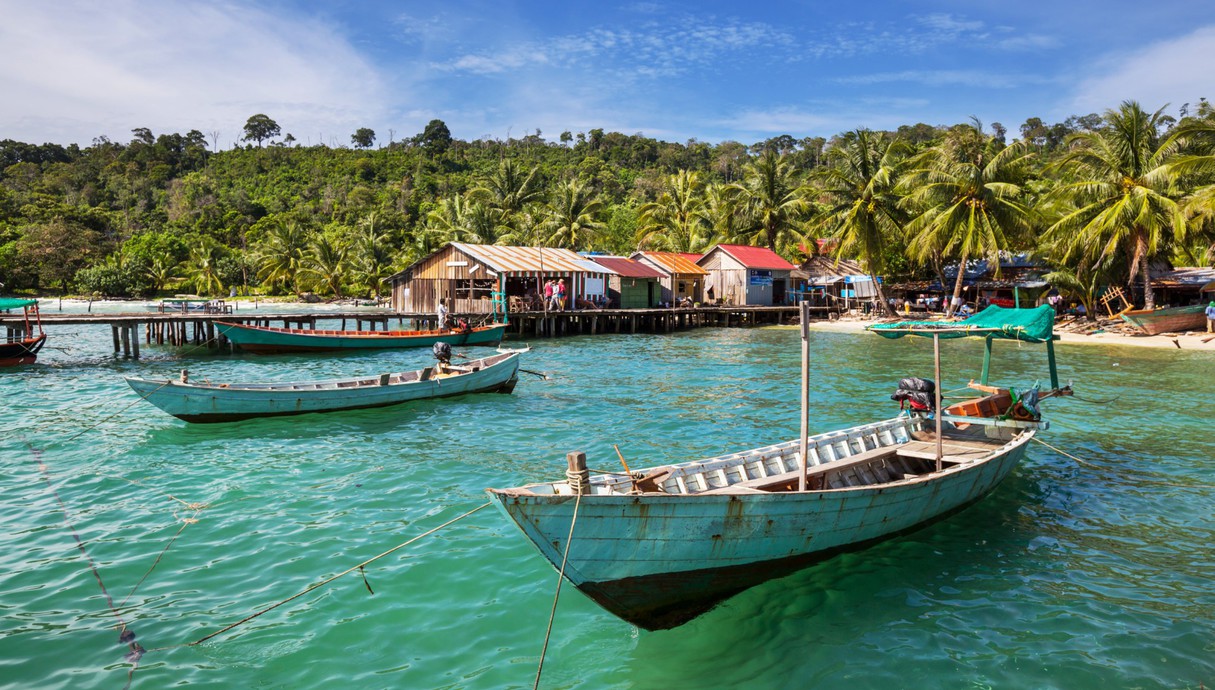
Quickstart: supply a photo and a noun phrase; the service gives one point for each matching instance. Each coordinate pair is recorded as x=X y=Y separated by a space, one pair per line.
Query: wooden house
x=824 y=281
x=468 y=275
x=635 y=285
x=742 y=275
x=681 y=277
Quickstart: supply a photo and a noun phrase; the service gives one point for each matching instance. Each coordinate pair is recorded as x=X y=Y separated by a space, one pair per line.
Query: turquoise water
x=1071 y=575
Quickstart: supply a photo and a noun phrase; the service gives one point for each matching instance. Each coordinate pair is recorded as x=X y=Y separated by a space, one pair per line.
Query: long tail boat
x=660 y=546
x=265 y=340
x=225 y=402
x=1168 y=320
x=21 y=344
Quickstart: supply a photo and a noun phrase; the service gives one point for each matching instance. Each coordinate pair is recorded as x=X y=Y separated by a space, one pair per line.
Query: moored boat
x=225 y=402
x=660 y=546
x=267 y=340
x=21 y=343
x=1168 y=319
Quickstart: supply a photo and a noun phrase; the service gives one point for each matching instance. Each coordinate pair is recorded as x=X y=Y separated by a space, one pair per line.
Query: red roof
x=691 y=257
x=756 y=257
x=626 y=267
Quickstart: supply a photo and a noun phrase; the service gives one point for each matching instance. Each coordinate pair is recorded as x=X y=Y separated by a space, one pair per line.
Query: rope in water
x=575 y=482
x=324 y=582
x=1142 y=482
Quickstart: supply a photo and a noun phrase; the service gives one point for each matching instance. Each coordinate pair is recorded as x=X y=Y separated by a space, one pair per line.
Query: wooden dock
x=198 y=329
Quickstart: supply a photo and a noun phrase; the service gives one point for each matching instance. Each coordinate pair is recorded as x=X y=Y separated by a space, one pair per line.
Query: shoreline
x=1188 y=341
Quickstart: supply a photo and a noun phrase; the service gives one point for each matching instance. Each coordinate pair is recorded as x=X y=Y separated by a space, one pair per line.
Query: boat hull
x=658 y=561
x=218 y=403
x=23 y=351
x=1170 y=320
x=263 y=340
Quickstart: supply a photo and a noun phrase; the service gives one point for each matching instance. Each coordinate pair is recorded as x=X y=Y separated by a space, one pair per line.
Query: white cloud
x=71 y=71
x=1173 y=72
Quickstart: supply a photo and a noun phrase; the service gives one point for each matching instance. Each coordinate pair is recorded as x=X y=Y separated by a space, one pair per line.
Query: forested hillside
x=1099 y=196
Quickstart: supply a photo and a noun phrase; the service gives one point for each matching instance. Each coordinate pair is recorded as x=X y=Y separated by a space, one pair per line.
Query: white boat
x=195 y=401
x=663 y=545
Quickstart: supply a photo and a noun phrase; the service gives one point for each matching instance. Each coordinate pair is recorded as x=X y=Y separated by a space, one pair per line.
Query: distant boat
x=21 y=344
x=662 y=545
x=265 y=340
x=1168 y=320
x=225 y=402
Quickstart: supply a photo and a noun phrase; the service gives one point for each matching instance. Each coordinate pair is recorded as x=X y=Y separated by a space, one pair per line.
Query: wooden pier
x=198 y=329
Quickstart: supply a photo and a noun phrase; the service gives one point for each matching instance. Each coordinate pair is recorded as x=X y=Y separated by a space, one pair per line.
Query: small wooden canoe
x=225 y=402
x=1168 y=320
x=264 y=340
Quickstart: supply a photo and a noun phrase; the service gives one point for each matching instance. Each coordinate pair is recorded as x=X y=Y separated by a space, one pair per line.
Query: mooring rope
x=322 y=583
x=575 y=482
x=120 y=411
x=1141 y=482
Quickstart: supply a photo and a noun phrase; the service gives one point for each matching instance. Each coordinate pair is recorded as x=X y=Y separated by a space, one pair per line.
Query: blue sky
x=72 y=70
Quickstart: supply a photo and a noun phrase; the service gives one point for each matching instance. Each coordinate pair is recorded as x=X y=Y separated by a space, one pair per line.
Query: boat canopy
x=1028 y=325
x=15 y=303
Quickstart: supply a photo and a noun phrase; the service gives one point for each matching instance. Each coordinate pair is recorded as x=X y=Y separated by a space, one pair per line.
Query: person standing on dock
x=1211 y=317
x=441 y=313
x=559 y=293
x=548 y=294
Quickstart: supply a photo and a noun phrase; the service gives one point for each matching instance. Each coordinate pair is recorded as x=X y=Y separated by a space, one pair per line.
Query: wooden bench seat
x=752 y=485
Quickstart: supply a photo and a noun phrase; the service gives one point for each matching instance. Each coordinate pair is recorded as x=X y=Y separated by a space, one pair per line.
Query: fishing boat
x=205 y=401
x=1168 y=320
x=267 y=340
x=21 y=344
x=660 y=546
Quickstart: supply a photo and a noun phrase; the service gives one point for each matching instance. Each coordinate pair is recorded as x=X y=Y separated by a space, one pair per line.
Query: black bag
x=912 y=383
x=442 y=351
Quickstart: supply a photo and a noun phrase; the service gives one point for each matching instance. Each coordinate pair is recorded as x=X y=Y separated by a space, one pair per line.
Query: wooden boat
x=661 y=546
x=1168 y=320
x=21 y=344
x=225 y=402
x=264 y=340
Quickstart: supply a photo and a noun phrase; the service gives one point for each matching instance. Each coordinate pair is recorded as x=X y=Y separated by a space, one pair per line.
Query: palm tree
x=202 y=267
x=864 y=212
x=509 y=190
x=773 y=200
x=1122 y=192
x=572 y=218
x=463 y=219
x=968 y=192
x=677 y=220
x=723 y=212
x=326 y=260
x=371 y=261
x=282 y=255
x=162 y=270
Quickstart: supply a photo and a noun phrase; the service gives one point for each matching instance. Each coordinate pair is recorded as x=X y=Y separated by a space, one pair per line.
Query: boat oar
x=632 y=479
x=542 y=375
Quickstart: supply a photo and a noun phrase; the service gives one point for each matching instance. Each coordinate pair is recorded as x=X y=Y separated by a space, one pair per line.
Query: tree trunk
x=1149 y=296
x=957 y=286
x=886 y=310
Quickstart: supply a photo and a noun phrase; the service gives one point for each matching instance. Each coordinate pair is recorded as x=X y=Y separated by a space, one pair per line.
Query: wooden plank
x=843 y=464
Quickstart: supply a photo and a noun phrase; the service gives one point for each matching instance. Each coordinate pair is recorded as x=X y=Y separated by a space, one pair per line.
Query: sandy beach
x=1188 y=341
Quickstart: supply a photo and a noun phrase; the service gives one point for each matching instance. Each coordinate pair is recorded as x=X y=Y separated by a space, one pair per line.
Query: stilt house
x=681 y=277
x=634 y=286
x=743 y=275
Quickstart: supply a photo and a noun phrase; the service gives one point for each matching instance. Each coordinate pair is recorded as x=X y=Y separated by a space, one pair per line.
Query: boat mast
x=936 y=363
x=805 y=393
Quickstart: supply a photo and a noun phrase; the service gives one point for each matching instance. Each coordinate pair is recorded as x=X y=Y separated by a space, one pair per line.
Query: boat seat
x=752 y=485
x=931 y=455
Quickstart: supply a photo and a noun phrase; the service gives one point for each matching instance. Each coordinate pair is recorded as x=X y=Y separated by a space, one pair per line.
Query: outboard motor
x=442 y=352
x=916 y=393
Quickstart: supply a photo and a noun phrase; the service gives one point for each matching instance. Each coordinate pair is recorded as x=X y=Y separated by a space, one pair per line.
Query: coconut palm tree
x=162 y=270
x=202 y=267
x=509 y=190
x=723 y=212
x=371 y=259
x=773 y=200
x=1122 y=192
x=677 y=220
x=968 y=194
x=282 y=255
x=461 y=218
x=326 y=261
x=863 y=211
x=572 y=217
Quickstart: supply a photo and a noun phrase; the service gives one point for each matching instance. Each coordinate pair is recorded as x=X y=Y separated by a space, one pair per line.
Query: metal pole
x=936 y=360
x=805 y=395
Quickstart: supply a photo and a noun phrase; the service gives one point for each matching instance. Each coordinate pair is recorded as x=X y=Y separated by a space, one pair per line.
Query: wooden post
x=126 y=341
x=805 y=396
x=936 y=361
x=135 y=340
x=578 y=472
x=114 y=335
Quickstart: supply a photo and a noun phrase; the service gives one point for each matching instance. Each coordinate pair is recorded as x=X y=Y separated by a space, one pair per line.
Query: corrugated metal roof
x=1189 y=276
x=626 y=267
x=594 y=267
x=691 y=257
x=527 y=259
x=756 y=257
x=674 y=263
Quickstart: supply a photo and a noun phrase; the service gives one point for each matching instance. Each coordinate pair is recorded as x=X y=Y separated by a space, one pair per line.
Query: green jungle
x=1103 y=199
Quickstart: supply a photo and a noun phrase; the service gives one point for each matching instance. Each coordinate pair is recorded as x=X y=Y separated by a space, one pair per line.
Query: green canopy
x=1030 y=325
x=15 y=303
